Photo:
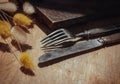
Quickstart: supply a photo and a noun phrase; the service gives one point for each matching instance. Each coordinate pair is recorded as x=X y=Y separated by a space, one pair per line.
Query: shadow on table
x=4 y=47
x=27 y=71
x=24 y=47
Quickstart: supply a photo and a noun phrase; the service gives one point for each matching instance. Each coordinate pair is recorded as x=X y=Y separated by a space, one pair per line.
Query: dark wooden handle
x=103 y=31
x=110 y=39
x=99 y=31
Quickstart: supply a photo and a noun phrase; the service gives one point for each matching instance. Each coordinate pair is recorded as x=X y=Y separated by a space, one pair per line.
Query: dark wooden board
x=56 y=15
x=54 y=19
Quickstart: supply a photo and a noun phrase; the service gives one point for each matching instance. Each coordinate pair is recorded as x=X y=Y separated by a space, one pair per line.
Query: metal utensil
x=62 y=35
x=79 y=47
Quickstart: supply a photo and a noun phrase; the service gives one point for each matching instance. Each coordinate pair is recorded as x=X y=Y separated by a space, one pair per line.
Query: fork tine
x=52 y=37
x=51 y=47
x=54 y=43
x=57 y=38
x=53 y=33
x=57 y=42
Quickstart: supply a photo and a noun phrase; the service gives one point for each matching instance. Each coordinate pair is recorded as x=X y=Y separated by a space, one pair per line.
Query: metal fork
x=62 y=35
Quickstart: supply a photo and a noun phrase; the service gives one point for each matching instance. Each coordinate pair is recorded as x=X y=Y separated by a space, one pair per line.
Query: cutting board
x=100 y=66
x=56 y=14
x=59 y=14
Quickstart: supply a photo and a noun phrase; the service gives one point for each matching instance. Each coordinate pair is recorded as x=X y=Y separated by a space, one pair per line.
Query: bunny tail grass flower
x=26 y=61
x=23 y=20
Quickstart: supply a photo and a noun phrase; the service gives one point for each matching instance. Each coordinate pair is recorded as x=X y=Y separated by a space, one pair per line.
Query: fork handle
x=99 y=32
x=110 y=39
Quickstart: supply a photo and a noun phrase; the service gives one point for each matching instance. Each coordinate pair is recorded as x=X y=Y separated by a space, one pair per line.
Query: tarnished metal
x=62 y=35
x=79 y=47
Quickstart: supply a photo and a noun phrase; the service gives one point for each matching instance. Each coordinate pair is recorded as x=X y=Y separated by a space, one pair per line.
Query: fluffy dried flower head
x=26 y=61
x=5 y=29
x=23 y=20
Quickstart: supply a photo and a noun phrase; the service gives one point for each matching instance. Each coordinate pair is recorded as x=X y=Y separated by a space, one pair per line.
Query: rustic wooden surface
x=3 y=1
x=98 y=67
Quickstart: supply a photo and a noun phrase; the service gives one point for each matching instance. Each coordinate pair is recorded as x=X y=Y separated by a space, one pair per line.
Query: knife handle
x=99 y=31
x=110 y=39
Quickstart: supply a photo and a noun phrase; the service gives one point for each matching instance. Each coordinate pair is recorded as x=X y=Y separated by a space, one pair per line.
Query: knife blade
x=79 y=47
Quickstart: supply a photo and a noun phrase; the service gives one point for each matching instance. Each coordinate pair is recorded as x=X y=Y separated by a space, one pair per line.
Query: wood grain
x=98 y=67
x=56 y=18
x=56 y=14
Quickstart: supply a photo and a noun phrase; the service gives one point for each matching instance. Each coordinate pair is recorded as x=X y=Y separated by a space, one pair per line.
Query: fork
x=62 y=35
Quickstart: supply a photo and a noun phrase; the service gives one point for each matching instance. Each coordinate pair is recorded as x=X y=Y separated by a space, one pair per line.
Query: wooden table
x=98 y=67
x=4 y=1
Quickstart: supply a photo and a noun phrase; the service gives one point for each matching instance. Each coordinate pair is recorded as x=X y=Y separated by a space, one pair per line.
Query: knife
x=78 y=47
